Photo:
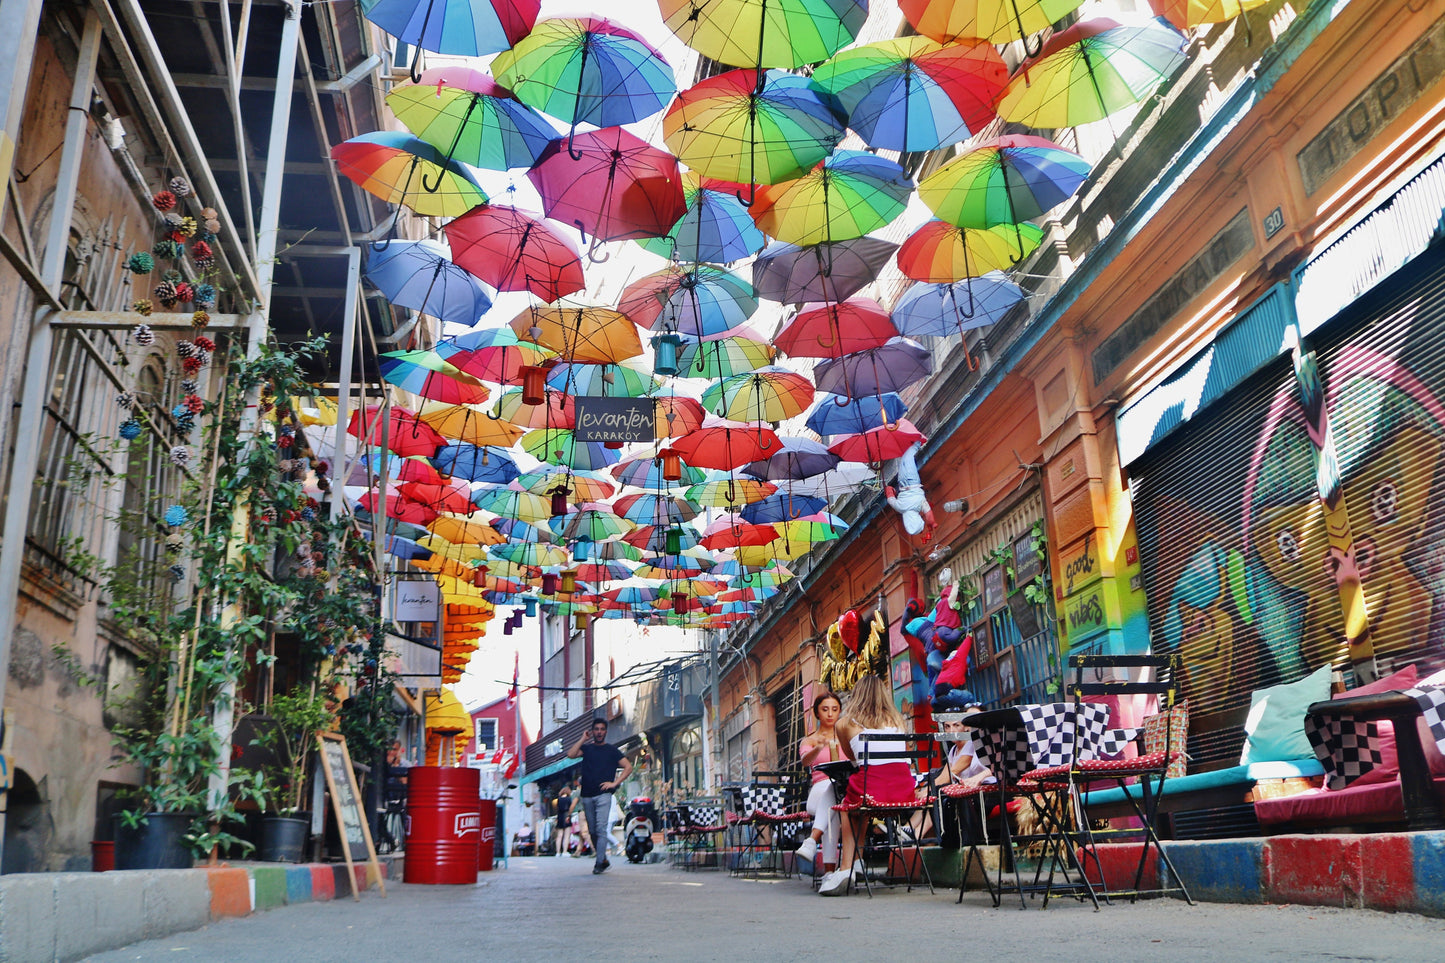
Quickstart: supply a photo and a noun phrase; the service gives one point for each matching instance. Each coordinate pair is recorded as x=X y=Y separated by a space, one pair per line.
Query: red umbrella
x=726 y=445
x=515 y=251
x=611 y=184
x=406 y=434
x=401 y=509
x=830 y=330
x=732 y=531
x=879 y=444
x=452 y=496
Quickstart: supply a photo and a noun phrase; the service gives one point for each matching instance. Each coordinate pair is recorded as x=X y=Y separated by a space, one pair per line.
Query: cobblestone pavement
x=555 y=909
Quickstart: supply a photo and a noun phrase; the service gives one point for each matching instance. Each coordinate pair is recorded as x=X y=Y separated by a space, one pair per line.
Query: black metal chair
x=898 y=842
x=765 y=814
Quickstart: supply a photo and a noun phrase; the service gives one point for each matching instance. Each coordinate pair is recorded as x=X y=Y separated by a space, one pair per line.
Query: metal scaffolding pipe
x=343 y=389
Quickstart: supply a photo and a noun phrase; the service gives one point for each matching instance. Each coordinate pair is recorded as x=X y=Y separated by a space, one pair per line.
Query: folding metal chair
x=899 y=841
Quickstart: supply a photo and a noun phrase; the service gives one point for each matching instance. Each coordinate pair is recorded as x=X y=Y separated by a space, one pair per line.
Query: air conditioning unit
x=399 y=61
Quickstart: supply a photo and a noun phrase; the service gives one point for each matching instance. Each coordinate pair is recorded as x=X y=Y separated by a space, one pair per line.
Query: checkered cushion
x=764 y=801
x=704 y=818
x=1347 y=747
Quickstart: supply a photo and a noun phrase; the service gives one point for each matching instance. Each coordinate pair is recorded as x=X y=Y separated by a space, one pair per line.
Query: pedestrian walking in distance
x=600 y=762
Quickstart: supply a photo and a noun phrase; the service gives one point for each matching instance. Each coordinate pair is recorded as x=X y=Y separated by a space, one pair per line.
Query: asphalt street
x=555 y=909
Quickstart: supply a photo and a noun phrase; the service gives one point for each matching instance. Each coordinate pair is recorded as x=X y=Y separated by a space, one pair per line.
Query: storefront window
x=688 y=776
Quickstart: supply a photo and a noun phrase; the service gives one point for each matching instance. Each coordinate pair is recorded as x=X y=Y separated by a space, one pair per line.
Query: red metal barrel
x=443 y=825
x=487 y=845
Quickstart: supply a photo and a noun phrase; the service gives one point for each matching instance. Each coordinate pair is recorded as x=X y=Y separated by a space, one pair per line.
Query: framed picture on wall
x=1027 y=563
x=995 y=589
x=1008 y=674
x=982 y=644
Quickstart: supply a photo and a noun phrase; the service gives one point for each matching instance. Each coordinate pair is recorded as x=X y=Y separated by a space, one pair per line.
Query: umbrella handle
x=575 y=155
x=842 y=401
x=1023 y=35
x=593 y=248
x=385 y=242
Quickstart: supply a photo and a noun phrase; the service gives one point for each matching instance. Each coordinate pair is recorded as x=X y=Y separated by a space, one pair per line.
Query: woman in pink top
x=820 y=747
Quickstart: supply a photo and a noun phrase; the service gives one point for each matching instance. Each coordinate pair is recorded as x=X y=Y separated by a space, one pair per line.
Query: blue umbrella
x=857 y=416
x=520 y=531
x=477 y=463
x=780 y=507
x=420 y=275
x=940 y=310
x=403 y=548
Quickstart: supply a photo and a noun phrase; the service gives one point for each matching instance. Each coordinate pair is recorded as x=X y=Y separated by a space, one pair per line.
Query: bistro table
x=1346 y=740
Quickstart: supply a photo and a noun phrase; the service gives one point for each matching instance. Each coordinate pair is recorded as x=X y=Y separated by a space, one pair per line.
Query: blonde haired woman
x=870 y=711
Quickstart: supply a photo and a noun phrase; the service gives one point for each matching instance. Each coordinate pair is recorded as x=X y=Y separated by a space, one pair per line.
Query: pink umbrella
x=827 y=330
x=879 y=444
x=402 y=509
x=732 y=531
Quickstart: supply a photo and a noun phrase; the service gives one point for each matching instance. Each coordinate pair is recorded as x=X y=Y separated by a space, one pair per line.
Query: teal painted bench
x=1217 y=789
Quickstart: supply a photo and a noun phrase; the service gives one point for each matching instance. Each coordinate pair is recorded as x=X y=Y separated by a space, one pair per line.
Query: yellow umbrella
x=443 y=567
x=462 y=530
x=457 y=551
x=593 y=335
x=469 y=424
x=446 y=720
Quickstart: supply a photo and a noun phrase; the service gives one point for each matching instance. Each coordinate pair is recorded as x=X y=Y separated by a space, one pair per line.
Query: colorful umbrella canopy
x=676 y=416
x=603 y=571
x=938 y=310
x=406 y=434
x=614 y=551
x=453 y=495
x=1091 y=70
x=759 y=593
x=587 y=70
x=821 y=272
x=424 y=373
x=401 y=169
x=456 y=551
x=733 y=531
x=594 y=335
x=875 y=371
x=1007 y=180
x=767 y=394
x=467 y=28
x=465 y=531
x=402 y=509
x=950 y=20
x=626 y=380
x=765 y=33
x=511 y=503
x=515 y=530
x=726 y=445
x=734 y=352
x=404 y=548
x=558 y=446
x=632 y=594
x=734 y=127
x=645 y=471
x=796 y=458
x=477 y=463
x=781 y=507
x=529 y=553
x=698 y=300
x=556 y=411
x=848 y=477
x=611 y=184
x=493 y=354
x=854 y=415
x=912 y=94
x=1185 y=14
x=715 y=228
x=420 y=275
x=586 y=486
x=849 y=194
x=369 y=467
x=516 y=251
x=470 y=425
x=593 y=522
x=879 y=444
x=648 y=509
x=654 y=538
x=469 y=116
x=831 y=329
x=941 y=253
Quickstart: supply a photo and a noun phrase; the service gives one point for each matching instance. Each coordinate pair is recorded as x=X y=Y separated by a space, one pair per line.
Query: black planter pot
x=283 y=838
x=159 y=843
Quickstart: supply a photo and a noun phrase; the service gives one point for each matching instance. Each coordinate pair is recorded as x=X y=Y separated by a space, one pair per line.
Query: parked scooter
x=642 y=819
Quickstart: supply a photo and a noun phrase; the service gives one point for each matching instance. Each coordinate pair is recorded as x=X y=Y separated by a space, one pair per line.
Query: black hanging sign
x=616 y=419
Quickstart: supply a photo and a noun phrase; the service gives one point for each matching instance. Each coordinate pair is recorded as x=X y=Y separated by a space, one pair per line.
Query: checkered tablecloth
x=1348 y=747
x=770 y=800
x=1045 y=737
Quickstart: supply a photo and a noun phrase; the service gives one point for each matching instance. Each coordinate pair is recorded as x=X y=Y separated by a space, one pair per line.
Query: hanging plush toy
x=950 y=689
x=909 y=500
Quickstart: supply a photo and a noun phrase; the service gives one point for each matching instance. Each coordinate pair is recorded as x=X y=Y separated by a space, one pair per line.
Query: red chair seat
x=1149 y=764
x=958 y=790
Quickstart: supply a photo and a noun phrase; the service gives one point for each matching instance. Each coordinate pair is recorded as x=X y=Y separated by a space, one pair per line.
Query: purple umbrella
x=798 y=458
x=876 y=371
x=833 y=271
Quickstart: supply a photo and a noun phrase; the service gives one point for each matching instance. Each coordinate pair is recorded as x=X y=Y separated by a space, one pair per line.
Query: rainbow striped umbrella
x=939 y=252
x=467 y=114
x=467 y=28
x=698 y=300
x=402 y=169
x=765 y=33
x=768 y=394
x=1007 y=180
x=559 y=446
x=848 y=195
x=950 y=20
x=715 y=228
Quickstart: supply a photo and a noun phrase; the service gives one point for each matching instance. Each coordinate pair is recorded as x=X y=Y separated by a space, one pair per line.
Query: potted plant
x=289 y=732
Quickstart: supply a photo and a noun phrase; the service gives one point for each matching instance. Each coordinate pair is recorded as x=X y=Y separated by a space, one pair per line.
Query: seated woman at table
x=816 y=748
x=870 y=711
x=963 y=767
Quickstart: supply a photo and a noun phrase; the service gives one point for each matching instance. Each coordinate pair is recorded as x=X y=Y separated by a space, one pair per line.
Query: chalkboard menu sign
x=347 y=804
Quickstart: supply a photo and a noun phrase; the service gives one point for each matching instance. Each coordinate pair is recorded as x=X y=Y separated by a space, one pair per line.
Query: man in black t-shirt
x=600 y=778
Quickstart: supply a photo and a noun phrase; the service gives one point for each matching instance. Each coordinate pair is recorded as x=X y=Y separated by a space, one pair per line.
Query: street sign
x=616 y=419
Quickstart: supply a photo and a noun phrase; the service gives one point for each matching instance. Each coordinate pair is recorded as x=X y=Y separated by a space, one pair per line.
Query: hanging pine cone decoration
x=165 y=293
x=209 y=213
x=176 y=516
x=285 y=442
x=199 y=320
x=194 y=404
x=184 y=292
x=130 y=429
x=175 y=541
x=202 y=254
x=166 y=249
x=174 y=220
x=164 y=201
x=180 y=456
x=185 y=421
x=125 y=400
x=177 y=572
x=172 y=275
x=180 y=187
x=206 y=296
x=140 y=263
x=187 y=227
x=205 y=343
x=143 y=335
x=192 y=365
x=190 y=387
x=142 y=306
x=213 y=226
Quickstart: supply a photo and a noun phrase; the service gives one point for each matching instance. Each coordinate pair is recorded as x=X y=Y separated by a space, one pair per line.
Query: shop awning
x=547 y=770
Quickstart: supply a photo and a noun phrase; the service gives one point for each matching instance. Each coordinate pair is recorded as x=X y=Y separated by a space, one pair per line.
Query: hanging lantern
x=549 y=585
x=531 y=605
x=582 y=619
x=559 y=501
x=507 y=627
x=681 y=604
x=569 y=582
x=674 y=541
x=580 y=552
x=534 y=385
x=671 y=466
x=664 y=353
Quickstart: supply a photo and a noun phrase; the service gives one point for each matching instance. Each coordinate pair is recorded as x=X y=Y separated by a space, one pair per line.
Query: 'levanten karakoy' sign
x=616 y=419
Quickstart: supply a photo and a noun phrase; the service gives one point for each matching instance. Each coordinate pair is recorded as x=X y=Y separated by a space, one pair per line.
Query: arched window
x=688 y=774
